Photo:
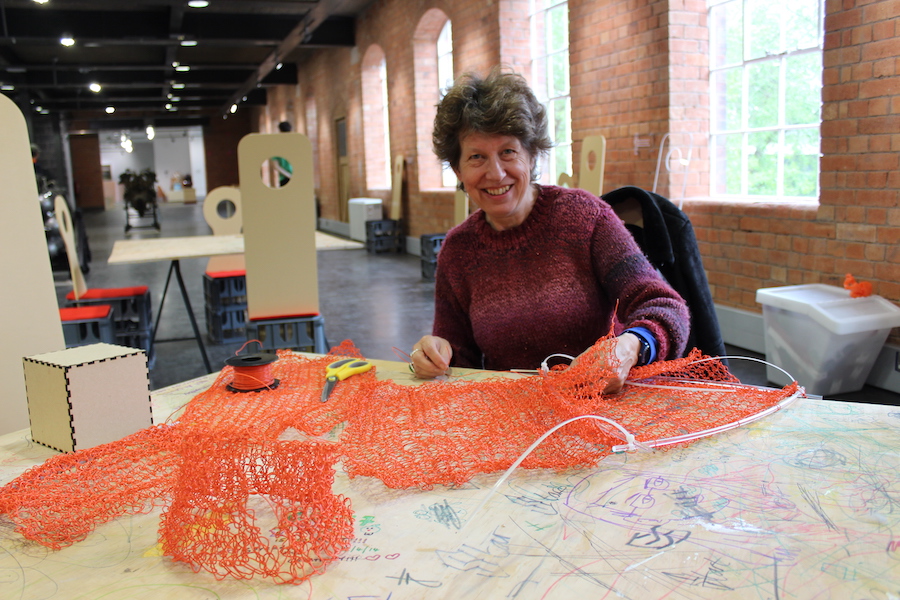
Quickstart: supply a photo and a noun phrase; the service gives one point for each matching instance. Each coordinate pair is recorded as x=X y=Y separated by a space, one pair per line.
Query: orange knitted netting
x=247 y=489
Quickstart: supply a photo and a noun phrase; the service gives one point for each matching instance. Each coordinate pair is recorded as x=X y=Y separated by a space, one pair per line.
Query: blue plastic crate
x=303 y=334
x=224 y=291
x=226 y=324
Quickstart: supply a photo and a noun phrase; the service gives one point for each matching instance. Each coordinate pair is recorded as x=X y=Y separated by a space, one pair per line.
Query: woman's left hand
x=627 y=350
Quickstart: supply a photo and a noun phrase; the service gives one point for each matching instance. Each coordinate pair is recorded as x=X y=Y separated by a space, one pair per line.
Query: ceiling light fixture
x=188 y=43
x=67 y=40
x=95 y=87
x=6 y=87
x=177 y=86
x=278 y=66
x=198 y=3
x=182 y=68
x=151 y=132
x=233 y=108
x=110 y=110
x=41 y=1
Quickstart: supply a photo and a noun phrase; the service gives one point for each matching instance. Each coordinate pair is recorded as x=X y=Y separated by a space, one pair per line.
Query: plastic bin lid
x=833 y=308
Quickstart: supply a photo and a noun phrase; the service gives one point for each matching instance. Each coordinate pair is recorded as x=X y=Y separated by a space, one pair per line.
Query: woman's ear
x=459 y=184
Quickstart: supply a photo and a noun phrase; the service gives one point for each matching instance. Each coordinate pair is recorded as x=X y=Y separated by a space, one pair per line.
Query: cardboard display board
x=224 y=225
x=279 y=227
x=29 y=322
x=67 y=231
x=460 y=207
x=397 y=189
x=86 y=396
x=593 y=162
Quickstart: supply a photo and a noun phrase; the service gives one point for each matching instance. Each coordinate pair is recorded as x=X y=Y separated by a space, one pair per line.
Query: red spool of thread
x=252 y=373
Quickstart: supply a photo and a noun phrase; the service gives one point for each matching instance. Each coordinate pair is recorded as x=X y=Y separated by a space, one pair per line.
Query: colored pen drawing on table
x=444 y=513
x=541 y=499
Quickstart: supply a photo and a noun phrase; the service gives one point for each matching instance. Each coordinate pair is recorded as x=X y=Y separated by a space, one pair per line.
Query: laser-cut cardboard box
x=86 y=396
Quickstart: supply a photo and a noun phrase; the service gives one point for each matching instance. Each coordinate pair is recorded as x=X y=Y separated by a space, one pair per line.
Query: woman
x=538 y=269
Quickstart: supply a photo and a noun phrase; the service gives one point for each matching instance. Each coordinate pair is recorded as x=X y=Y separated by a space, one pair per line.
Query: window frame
x=720 y=66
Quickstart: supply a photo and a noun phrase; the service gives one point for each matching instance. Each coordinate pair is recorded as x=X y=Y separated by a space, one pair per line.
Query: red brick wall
x=220 y=142
x=86 y=172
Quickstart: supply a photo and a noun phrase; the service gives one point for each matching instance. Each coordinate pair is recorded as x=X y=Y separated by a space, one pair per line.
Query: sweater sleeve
x=643 y=297
x=451 y=317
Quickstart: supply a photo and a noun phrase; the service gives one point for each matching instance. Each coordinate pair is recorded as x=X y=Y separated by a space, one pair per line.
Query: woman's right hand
x=431 y=356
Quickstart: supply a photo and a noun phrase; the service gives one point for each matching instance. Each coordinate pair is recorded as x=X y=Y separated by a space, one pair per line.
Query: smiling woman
x=538 y=270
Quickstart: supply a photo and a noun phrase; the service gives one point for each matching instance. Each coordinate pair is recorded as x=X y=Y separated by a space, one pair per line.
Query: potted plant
x=140 y=190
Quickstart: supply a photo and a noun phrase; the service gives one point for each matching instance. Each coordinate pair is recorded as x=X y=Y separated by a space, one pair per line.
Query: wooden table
x=175 y=249
x=804 y=504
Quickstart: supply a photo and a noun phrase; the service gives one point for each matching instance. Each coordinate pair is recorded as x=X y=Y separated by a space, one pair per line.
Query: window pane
x=563 y=162
x=539 y=77
x=802 y=24
x=734 y=93
x=803 y=93
x=762 y=96
x=801 y=162
x=560 y=110
x=728 y=21
x=728 y=163
x=763 y=28
x=559 y=72
x=762 y=163
x=558 y=28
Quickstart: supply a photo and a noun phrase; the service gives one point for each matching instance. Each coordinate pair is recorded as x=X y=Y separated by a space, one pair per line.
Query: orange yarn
x=240 y=500
x=858 y=289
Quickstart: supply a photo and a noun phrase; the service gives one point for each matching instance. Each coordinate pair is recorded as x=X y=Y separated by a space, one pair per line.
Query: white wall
x=112 y=154
x=198 y=161
x=173 y=150
x=172 y=156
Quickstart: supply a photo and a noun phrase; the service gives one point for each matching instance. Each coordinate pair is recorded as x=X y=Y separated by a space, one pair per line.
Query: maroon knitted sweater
x=508 y=299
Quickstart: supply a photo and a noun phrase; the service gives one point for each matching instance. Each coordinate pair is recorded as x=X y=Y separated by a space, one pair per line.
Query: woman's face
x=495 y=171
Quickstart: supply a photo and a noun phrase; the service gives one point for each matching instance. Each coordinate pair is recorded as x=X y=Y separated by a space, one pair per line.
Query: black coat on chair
x=666 y=236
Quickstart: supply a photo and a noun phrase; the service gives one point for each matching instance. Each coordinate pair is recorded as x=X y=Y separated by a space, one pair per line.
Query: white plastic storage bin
x=360 y=211
x=824 y=338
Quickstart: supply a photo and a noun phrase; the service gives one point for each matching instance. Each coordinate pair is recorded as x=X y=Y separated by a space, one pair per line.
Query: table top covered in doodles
x=804 y=503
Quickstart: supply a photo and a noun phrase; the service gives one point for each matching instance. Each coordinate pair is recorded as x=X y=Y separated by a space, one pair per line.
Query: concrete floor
x=379 y=301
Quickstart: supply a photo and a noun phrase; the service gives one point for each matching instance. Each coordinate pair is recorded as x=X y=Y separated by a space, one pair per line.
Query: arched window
x=428 y=87
x=550 y=80
x=376 y=129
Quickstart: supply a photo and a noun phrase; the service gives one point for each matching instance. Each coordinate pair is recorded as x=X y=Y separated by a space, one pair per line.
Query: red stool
x=88 y=325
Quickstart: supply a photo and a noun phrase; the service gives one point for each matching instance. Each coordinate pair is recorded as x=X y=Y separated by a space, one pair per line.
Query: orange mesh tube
x=226 y=487
x=240 y=501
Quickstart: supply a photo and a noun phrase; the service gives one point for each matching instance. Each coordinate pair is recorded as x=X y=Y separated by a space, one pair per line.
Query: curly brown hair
x=500 y=104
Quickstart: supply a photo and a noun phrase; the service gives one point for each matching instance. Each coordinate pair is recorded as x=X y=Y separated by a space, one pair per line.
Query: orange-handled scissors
x=341 y=370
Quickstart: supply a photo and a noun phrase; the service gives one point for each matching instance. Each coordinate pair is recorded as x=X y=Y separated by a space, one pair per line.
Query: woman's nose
x=495 y=168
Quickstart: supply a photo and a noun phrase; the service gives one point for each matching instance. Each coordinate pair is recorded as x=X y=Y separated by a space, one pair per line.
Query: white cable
x=633 y=444
x=626 y=435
